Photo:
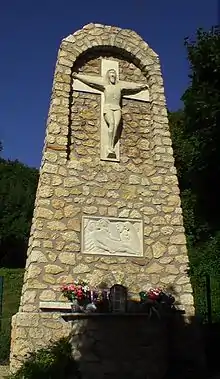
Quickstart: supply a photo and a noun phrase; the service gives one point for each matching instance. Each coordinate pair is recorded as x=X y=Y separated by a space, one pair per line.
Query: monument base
x=115 y=346
x=31 y=331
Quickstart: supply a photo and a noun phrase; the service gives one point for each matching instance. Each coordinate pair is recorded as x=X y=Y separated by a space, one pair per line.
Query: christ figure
x=113 y=90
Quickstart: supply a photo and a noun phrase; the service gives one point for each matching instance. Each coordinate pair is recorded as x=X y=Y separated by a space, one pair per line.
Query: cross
x=140 y=95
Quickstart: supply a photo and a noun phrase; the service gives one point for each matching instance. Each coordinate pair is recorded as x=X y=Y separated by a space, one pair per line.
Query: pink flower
x=71 y=287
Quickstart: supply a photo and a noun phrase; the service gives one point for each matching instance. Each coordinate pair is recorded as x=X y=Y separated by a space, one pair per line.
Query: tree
x=202 y=125
x=195 y=132
x=17 y=194
x=182 y=147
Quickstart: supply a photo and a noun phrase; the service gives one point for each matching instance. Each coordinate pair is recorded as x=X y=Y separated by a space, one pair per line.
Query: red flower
x=80 y=293
x=154 y=293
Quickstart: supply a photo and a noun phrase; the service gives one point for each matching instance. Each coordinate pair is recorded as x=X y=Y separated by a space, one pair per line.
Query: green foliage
x=4 y=346
x=17 y=194
x=202 y=125
x=195 y=226
x=204 y=258
x=195 y=132
x=13 y=280
x=54 y=362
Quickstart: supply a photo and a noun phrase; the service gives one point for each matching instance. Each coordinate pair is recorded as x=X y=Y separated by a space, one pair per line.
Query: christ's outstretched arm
x=91 y=81
x=132 y=88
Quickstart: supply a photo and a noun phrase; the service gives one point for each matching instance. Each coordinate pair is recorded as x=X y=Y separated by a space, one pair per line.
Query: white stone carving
x=112 y=236
x=112 y=89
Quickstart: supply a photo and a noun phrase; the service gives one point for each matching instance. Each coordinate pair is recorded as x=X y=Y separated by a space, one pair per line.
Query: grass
x=13 y=280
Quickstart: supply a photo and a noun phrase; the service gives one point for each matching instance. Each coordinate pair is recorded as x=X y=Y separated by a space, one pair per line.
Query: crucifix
x=111 y=89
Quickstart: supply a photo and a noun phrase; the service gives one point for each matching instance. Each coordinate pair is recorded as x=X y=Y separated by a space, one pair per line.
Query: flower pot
x=75 y=306
x=90 y=308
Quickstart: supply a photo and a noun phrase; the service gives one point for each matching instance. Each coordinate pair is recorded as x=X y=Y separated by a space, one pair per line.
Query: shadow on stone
x=134 y=346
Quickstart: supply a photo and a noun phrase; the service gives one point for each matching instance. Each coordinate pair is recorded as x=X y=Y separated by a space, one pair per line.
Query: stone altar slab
x=112 y=236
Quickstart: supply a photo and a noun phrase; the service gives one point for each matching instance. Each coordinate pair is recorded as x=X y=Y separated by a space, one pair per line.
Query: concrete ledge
x=55 y=305
x=73 y=316
x=65 y=306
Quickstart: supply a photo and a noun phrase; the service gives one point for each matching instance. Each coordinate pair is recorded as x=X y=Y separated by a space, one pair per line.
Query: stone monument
x=107 y=205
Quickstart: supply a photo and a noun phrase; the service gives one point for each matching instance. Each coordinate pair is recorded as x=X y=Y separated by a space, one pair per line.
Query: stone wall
x=34 y=330
x=75 y=182
x=143 y=185
x=120 y=347
x=103 y=346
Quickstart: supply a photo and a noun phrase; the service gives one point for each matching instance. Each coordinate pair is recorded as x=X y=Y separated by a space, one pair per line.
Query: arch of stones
x=74 y=183
x=92 y=38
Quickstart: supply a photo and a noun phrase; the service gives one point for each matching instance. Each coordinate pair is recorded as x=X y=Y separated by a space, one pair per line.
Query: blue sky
x=30 y=34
